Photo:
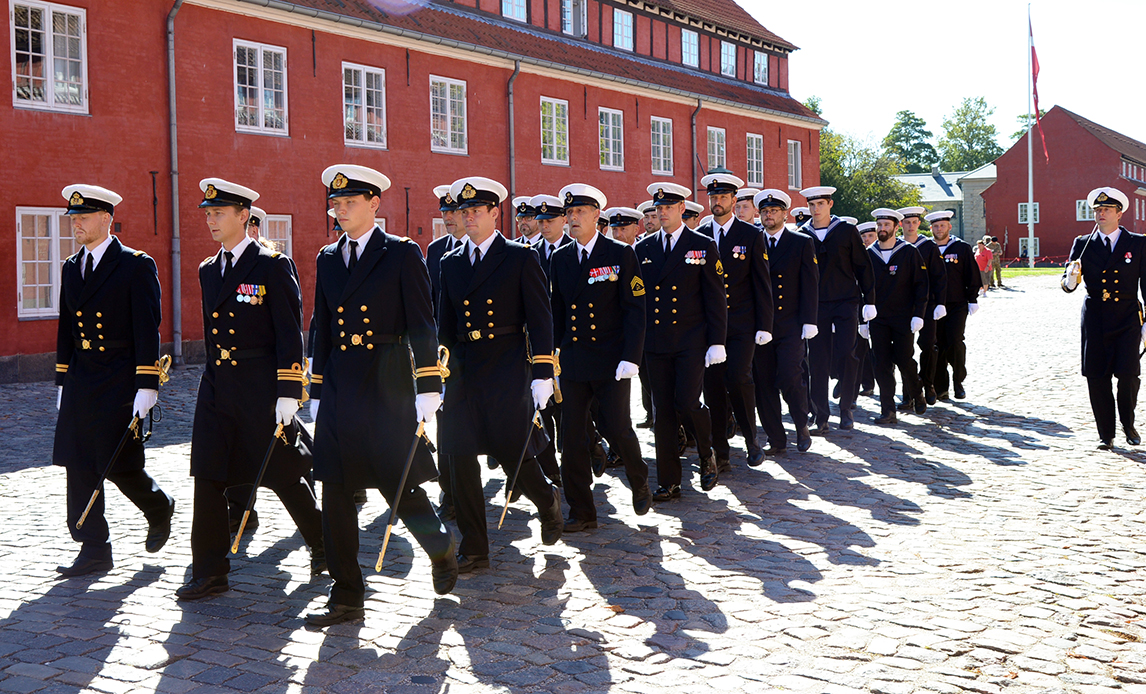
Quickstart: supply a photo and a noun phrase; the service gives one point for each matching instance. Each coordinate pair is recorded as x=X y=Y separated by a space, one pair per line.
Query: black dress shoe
x=905 y=405
x=252 y=522
x=359 y=497
x=666 y=493
x=491 y=462
x=920 y=405
x=445 y=571
x=647 y=424
x=335 y=614
x=1106 y=445
x=773 y=451
x=723 y=465
x=597 y=459
x=317 y=562
x=447 y=513
x=820 y=429
x=467 y=564
x=867 y=392
x=551 y=521
x=576 y=525
x=614 y=460
x=836 y=391
x=847 y=420
x=642 y=500
x=944 y=396
x=82 y=566
x=803 y=439
x=708 y=473
x=959 y=392
x=1132 y=436
x=203 y=587
x=930 y=397
x=888 y=418
x=755 y=457
x=159 y=530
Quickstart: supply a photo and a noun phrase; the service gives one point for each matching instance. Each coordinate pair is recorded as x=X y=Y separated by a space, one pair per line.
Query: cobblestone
x=983 y=547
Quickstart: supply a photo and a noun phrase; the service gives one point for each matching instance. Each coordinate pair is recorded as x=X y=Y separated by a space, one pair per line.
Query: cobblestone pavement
x=983 y=547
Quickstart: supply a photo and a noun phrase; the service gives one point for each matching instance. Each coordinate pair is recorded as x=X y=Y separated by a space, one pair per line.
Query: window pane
x=352 y=101
x=562 y=134
x=690 y=48
x=623 y=30
x=274 y=90
x=376 y=107
x=727 y=59
x=457 y=117
x=29 y=46
x=247 y=93
x=760 y=72
x=67 y=61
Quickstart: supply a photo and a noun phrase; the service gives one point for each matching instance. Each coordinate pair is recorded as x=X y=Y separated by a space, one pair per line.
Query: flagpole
x=1030 y=149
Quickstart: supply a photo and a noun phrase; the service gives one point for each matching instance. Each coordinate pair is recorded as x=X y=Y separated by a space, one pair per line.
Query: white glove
x=810 y=330
x=542 y=390
x=868 y=312
x=1144 y=334
x=144 y=400
x=715 y=355
x=426 y=404
x=1073 y=274
x=916 y=324
x=285 y=409
x=763 y=337
x=972 y=308
x=627 y=369
x=940 y=312
x=314 y=410
x=59 y=396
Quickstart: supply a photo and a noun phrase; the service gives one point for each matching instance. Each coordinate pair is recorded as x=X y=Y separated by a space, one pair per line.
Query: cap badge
x=210 y=193
x=449 y=200
x=521 y=208
x=568 y=197
x=1102 y=197
x=76 y=199
x=660 y=193
x=340 y=181
x=544 y=209
x=468 y=192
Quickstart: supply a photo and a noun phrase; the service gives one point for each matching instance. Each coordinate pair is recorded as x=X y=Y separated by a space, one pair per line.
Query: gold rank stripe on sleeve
x=435 y=371
x=61 y=368
x=290 y=375
x=543 y=359
x=147 y=371
x=316 y=379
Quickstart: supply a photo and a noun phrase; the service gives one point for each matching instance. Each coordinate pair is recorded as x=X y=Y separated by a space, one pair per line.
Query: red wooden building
x=1083 y=156
x=267 y=93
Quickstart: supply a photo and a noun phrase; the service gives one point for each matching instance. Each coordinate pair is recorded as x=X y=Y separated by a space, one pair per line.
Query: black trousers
x=210 y=532
x=136 y=485
x=616 y=426
x=728 y=383
x=547 y=459
x=865 y=380
x=1103 y=403
x=828 y=345
x=952 y=349
x=928 y=354
x=469 y=497
x=340 y=533
x=646 y=391
x=677 y=380
x=779 y=370
x=891 y=348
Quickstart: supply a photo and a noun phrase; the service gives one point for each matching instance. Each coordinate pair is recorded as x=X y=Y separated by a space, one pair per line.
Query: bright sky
x=869 y=60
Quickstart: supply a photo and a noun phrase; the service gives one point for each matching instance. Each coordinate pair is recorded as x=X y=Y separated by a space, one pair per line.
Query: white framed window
x=573 y=17
x=716 y=148
x=260 y=88
x=795 y=175
x=364 y=105
x=380 y=222
x=689 y=48
x=448 y=115
x=438 y=229
x=277 y=229
x=1023 y=213
x=727 y=59
x=623 y=30
x=1083 y=212
x=49 y=56
x=514 y=9
x=43 y=242
x=1024 y=242
x=661 y=129
x=755 y=147
x=554 y=131
x=760 y=68
x=612 y=132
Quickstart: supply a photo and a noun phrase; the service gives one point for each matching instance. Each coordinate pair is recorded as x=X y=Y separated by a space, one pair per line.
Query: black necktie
x=227 y=266
x=773 y=242
x=1105 y=239
x=668 y=244
x=477 y=256
x=584 y=255
x=88 y=267
x=719 y=236
x=353 y=256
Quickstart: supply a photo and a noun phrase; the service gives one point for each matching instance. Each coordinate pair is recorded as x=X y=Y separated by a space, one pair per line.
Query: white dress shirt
x=674 y=237
x=484 y=246
x=361 y=241
x=588 y=248
x=236 y=253
x=96 y=253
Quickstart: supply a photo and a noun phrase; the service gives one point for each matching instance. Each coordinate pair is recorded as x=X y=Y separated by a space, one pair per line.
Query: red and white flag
x=1035 y=87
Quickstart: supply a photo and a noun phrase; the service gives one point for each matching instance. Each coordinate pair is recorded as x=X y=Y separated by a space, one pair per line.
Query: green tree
x=1025 y=123
x=815 y=105
x=908 y=141
x=968 y=141
x=863 y=176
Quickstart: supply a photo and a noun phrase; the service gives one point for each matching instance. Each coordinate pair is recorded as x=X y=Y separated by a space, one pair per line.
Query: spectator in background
x=995 y=274
x=983 y=257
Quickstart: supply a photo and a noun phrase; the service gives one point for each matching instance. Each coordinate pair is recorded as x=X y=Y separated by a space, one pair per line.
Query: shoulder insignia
x=765 y=256
x=814 y=260
x=719 y=267
x=923 y=266
x=275 y=254
x=207 y=259
x=407 y=239
x=138 y=253
x=638 y=286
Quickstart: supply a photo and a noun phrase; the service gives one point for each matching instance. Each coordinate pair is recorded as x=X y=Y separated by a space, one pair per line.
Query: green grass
x=1009 y=273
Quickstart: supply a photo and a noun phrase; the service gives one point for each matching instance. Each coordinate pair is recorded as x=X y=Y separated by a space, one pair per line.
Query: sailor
x=745 y=210
x=525 y=216
x=550 y=220
x=937 y=294
x=692 y=212
x=961 y=302
x=652 y=222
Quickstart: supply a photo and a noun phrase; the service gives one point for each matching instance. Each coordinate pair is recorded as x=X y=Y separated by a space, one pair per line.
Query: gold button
x=342 y=334
x=780 y=297
x=593 y=339
x=590 y=315
x=101 y=348
x=726 y=286
x=340 y=309
x=467 y=325
x=574 y=339
x=231 y=315
x=657 y=287
x=779 y=276
x=99 y=315
x=82 y=335
x=214 y=331
x=674 y=299
x=574 y=307
x=215 y=314
x=674 y=322
x=233 y=362
x=370 y=346
x=232 y=331
x=489 y=313
x=466 y=302
x=100 y=325
x=369 y=333
x=218 y=363
x=365 y=320
x=674 y=287
x=490 y=325
x=590 y=305
x=574 y=328
x=674 y=310
x=489 y=301
x=467 y=313
x=656 y=310
x=101 y=337
x=592 y=327
x=573 y=317
x=779 y=286
x=363 y=307
x=656 y=322
x=490 y=336
x=79 y=313
x=1103 y=281
x=82 y=325
x=343 y=348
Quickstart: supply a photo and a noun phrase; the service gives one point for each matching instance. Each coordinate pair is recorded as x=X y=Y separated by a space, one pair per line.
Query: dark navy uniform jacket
x=107 y=348
x=547 y=265
x=1112 y=311
x=252 y=327
x=795 y=283
x=936 y=273
x=686 y=308
x=368 y=323
x=434 y=253
x=598 y=309
x=963 y=278
x=901 y=285
x=747 y=281
x=845 y=267
x=497 y=323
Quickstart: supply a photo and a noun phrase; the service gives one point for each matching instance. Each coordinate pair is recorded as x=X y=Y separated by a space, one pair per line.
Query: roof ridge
x=1112 y=138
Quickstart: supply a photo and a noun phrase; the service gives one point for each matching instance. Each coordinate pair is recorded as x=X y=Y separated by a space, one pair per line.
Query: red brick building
x=1083 y=156
x=267 y=93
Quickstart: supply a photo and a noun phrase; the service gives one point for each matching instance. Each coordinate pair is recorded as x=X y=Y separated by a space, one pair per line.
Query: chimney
x=935 y=171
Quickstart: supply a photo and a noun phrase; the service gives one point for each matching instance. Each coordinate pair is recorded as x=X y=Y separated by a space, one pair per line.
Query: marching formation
x=525 y=350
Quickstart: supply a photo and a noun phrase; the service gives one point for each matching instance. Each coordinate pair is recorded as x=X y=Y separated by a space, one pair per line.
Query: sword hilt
x=84 y=516
x=239 y=535
x=385 y=541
